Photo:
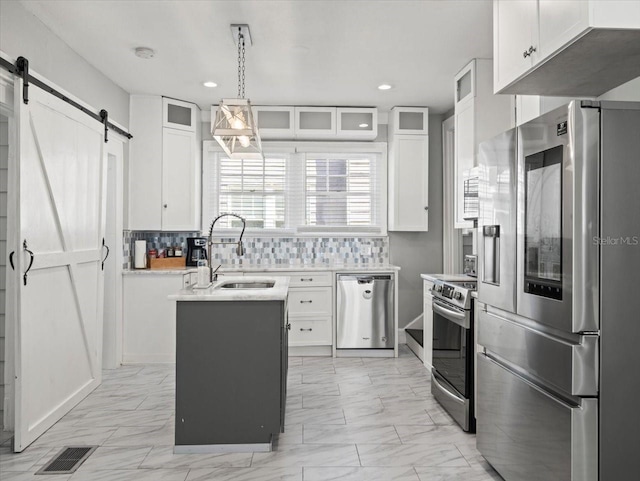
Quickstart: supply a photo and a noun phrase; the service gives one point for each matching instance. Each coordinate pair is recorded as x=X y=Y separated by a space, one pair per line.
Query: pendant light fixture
x=234 y=126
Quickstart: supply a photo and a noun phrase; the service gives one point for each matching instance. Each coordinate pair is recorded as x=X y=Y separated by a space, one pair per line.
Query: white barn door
x=59 y=202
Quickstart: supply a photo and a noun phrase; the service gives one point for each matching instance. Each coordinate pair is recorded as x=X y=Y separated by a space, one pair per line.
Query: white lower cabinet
x=149 y=318
x=310 y=301
x=310 y=332
x=310 y=307
x=428 y=324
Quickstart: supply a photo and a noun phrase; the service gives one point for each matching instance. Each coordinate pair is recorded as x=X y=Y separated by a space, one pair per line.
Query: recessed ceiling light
x=210 y=84
x=384 y=87
x=363 y=126
x=145 y=52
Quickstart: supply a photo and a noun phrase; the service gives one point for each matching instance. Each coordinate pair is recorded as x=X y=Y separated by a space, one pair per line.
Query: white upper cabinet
x=560 y=21
x=275 y=122
x=513 y=36
x=409 y=176
x=564 y=47
x=357 y=123
x=409 y=121
x=180 y=181
x=479 y=116
x=164 y=166
x=177 y=114
x=315 y=122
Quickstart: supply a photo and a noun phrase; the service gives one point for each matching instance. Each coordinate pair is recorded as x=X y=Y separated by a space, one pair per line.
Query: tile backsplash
x=277 y=251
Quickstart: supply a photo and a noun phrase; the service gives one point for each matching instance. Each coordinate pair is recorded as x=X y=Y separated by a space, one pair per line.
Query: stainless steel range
x=453 y=349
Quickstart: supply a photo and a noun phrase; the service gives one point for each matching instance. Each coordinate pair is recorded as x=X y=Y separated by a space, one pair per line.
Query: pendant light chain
x=241 y=75
x=243 y=66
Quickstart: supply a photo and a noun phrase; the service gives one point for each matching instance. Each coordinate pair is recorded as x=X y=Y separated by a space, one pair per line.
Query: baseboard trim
x=312 y=351
x=365 y=353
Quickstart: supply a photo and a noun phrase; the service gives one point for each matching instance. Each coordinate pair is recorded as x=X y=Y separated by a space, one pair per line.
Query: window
x=339 y=191
x=253 y=189
x=297 y=192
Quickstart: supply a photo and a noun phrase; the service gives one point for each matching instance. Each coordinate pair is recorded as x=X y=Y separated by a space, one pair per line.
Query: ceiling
x=305 y=52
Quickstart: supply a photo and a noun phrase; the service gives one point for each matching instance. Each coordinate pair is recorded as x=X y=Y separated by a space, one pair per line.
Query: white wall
x=4 y=159
x=23 y=34
x=626 y=91
x=420 y=252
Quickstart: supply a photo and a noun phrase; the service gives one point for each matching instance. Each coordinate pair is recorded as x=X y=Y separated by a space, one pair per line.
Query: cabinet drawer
x=311 y=301
x=310 y=332
x=299 y=279
x=307 y=279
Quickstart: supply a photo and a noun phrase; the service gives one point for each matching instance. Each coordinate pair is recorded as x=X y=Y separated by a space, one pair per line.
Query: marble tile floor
x=348 y=419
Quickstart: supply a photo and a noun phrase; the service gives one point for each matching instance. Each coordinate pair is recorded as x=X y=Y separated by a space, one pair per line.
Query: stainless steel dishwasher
x=365 y=311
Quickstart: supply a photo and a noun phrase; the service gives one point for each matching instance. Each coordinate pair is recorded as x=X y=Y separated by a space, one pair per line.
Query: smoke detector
x=145 y=52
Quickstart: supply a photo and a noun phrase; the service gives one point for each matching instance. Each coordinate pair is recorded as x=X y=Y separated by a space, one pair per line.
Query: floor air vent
x=67 y=460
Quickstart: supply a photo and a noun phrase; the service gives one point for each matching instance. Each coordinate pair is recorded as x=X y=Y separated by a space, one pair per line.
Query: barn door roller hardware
x=21 y=69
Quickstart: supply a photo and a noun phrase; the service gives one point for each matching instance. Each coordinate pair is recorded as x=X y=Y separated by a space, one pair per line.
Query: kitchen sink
x=248 y=285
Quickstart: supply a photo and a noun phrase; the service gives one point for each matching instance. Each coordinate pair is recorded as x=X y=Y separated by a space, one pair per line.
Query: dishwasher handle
x=363 y=278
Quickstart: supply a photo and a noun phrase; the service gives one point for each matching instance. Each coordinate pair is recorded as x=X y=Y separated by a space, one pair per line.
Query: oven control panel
x=447 y=291
x=458 y=293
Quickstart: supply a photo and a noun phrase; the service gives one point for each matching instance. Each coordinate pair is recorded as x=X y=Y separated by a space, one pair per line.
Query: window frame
x=295 y=186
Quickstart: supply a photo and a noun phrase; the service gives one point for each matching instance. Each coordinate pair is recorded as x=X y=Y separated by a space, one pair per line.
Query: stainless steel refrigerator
x=559 y=321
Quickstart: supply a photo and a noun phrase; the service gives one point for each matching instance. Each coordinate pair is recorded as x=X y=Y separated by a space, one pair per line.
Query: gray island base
x=231 y=369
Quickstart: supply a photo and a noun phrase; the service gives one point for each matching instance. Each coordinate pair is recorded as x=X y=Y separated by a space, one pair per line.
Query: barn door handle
x=25 y=248
x=105 y=257
x=11 y=260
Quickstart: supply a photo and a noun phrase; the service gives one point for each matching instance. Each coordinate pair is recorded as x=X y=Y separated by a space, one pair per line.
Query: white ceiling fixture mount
x=385 y=87
x=234 y=126
x=210 y=84
x=145 y=52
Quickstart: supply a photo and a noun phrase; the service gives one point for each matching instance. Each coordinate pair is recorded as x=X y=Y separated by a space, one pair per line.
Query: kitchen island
x=231 y=365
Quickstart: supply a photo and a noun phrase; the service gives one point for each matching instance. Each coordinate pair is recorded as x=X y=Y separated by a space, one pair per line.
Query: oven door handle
x=460 y=319
x=438 y=380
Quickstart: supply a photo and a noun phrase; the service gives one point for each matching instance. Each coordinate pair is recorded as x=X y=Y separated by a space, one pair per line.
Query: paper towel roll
x=140 y=254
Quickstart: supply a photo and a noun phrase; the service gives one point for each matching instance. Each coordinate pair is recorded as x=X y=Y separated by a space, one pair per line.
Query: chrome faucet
x=213 y=276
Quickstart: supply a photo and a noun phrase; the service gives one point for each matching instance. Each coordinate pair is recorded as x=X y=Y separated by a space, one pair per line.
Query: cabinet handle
x=426 y=208
x=165 y=206
x=288 y=327
x=527 y=53
x=306 y=302
x=309 y=279
x=308 y=330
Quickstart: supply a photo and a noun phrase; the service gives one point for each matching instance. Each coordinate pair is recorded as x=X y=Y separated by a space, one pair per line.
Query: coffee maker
x=196 y=250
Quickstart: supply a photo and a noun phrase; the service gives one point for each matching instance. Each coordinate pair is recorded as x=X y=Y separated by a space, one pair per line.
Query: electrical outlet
x=366 y=249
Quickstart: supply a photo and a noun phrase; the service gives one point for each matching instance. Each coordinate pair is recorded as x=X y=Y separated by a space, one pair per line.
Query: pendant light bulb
x=244 y=141
x=238 y=123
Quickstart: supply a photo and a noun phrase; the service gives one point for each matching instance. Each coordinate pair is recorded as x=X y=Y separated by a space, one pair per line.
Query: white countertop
x=272 y=268
x=148 y=272
x=214 y=293
x=447 y=277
